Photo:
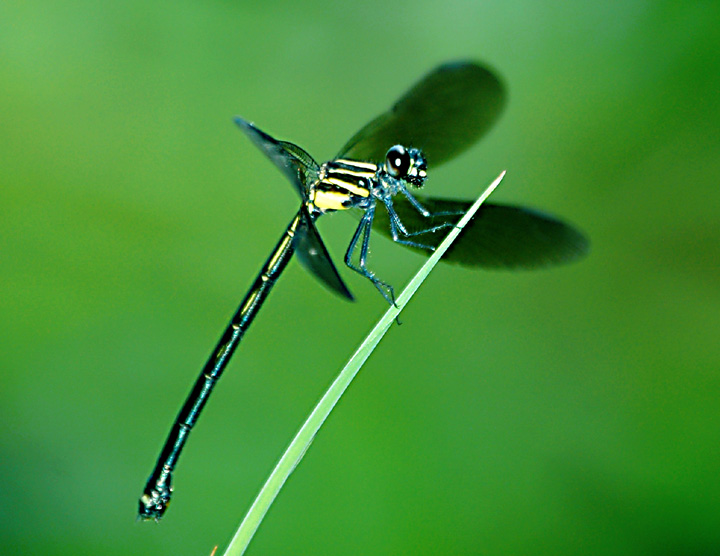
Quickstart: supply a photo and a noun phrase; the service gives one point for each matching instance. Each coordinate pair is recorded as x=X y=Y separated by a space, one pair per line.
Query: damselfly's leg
x=363 y=231
x=397 y=228
x=425 y=212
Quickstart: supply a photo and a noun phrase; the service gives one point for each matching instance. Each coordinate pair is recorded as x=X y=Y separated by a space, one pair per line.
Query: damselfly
x=384 y=163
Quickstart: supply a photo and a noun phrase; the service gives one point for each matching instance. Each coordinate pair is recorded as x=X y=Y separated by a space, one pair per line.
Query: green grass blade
x=299 y=445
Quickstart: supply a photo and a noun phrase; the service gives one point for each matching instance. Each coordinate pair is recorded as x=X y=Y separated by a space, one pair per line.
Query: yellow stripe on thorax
x=367 y=165
x=330 y=200
x=351 y=187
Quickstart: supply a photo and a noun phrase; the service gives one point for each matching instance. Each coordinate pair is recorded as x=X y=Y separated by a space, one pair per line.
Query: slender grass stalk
x=299 y=445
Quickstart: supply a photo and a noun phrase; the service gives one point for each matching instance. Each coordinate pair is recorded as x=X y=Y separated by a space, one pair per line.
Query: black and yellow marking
x=341 y=183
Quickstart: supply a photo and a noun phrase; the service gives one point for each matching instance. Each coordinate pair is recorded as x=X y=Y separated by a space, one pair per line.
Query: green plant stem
x=299 y=445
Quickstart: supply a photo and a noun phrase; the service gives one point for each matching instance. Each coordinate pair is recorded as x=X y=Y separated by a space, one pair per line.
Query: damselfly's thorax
x=342 y=184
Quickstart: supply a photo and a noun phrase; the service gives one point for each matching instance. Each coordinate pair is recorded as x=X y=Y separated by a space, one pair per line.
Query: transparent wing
x=314 y=256
x=500 y=236
x=443 y=115
x=294 y=162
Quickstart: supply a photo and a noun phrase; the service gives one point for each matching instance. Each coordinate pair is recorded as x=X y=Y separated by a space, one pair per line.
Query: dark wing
x=301 y=170
x=294 y=162
x=443 y=115
x=499 y=236
x=314 y=256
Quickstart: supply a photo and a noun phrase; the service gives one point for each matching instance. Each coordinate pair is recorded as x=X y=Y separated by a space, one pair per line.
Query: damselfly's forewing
x=443 y=115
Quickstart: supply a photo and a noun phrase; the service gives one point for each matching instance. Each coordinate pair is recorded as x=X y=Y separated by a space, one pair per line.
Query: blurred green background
x=568 y=411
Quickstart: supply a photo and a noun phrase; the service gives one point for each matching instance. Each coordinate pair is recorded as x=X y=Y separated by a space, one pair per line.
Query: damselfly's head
x=406 y=164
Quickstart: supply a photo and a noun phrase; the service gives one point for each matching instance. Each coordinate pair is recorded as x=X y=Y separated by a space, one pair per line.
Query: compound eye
x=397 y=161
